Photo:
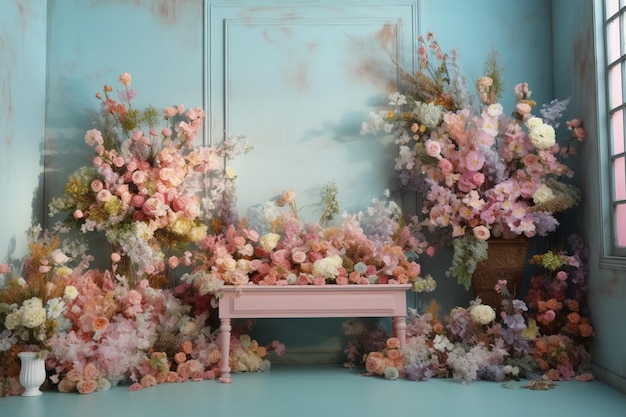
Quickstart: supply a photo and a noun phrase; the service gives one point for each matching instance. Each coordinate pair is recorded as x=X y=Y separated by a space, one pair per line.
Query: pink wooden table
x=297 y=301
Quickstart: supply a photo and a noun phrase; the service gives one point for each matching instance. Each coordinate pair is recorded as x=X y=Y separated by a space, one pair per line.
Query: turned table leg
x=399 y=328
x=225 y=350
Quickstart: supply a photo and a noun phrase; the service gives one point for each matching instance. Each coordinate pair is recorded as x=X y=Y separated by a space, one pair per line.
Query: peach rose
x=87 y=386
x=66 y=385
x=180 y=357
x=125 y=79
x=393 y=343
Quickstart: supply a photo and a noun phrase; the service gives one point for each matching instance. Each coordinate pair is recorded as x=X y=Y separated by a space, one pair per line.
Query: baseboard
x=609 y=377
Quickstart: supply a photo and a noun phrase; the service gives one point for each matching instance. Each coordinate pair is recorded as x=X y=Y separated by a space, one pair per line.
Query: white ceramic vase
x=32 y=373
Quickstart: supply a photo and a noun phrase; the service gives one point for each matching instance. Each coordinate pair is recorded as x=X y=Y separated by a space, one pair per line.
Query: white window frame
x=609 y=157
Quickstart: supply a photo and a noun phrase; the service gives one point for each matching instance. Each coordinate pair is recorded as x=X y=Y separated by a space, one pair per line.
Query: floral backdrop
x=167 y=209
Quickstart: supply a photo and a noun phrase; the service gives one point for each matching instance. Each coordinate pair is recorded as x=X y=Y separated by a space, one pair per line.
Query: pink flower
x=115 y=257
x=96 y=185
x=104 y=195
x=433 y=148
x=170 y=111
x=561 y=275
x=173 y=262
x=298 y=256
x=481 y=232
x=135 y=387
x=549 y=316
x=125 y=79
x=58 y=257
x=287 y=197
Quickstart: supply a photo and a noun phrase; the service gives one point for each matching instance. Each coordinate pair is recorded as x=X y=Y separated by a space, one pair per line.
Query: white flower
x=482 y=314
x=542 y=136
x=269 y=241
x=495 y=110
x=33 y=317
x=442 y=343
x=55 y=307
x=533 y=122
x=327 y=267
x=431 y=115
x=13 y=320
x=397 y=99
x=543 y=194
x=32 y=303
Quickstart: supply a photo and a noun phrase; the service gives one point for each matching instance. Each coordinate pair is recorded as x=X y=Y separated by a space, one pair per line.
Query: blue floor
x=293 y=390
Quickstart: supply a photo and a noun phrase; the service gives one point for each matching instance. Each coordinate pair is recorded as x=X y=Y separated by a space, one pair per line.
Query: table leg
x=225 y=329
x=399 y=328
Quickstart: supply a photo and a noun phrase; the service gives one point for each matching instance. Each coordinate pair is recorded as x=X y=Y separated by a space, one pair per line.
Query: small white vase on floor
x=32 y=373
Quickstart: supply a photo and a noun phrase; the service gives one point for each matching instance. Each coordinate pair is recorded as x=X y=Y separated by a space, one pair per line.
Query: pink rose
x=134 y=297
x=103 y=195
x=173 y=262
x=298 y=256
x=136 y=386
x=288 y=197
x=481 y=232
x=170 y=111
x=561 y=275
x=341 y=281
x=139 y=177
x=96 y=185
x=279 y=256
x=549 y=316
x=478 y=179
x=433 y=148
x=252 y=235
x=115 y=257
x=137 y=200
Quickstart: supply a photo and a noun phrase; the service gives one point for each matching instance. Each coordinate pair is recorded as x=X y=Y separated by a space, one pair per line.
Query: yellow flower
x=63 y=271
x=531 y=331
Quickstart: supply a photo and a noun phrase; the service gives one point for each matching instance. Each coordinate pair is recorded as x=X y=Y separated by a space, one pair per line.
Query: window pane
x=620 y=220
x=611 y=6
x=619 y=175
x=617 y=132
x=615 y=86
x=613 y=41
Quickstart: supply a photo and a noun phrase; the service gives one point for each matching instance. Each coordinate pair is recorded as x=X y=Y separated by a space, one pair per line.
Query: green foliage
x=468 y=252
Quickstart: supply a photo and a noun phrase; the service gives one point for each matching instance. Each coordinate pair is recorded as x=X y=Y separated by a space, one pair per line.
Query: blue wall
x=22 y=118
x=301 y=102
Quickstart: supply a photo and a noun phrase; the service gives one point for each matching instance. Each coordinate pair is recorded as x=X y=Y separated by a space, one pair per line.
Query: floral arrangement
x=481 y=172
x=274 y=246
x=142 y=187
x=95 y=329
x=545 y=337
x=98 y=328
